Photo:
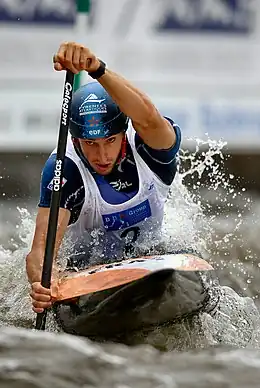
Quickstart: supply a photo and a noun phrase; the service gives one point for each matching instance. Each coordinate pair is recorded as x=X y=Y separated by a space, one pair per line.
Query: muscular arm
x=34 y=259
x=154 y=129
x=72 y=197
x=163 y=163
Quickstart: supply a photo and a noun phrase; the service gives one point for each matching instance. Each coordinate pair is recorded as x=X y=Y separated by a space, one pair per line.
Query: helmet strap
x=123 y=150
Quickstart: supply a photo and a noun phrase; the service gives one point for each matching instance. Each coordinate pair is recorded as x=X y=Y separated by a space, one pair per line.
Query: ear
x=75 y=141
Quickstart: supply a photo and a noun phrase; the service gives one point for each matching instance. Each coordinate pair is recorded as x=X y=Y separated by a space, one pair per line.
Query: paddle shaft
x=56 y=192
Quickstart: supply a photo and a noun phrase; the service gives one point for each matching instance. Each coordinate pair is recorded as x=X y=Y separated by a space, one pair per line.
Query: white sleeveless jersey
x=104 y=230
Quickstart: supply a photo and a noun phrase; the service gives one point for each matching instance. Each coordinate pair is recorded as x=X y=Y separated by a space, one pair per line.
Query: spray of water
x=16 y=309
x=204 y=217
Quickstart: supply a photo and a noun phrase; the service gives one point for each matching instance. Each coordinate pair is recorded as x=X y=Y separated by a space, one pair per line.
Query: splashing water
x=207 y=218
x=15 y=302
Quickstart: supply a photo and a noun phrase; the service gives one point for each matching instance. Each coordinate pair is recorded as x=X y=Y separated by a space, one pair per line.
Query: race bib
x=127 y=218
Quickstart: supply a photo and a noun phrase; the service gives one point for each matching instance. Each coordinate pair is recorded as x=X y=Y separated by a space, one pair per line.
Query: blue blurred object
x=233 y=16
x=56 y=12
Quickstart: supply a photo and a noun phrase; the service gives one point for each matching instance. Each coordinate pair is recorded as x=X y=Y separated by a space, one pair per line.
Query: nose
x=102 y=154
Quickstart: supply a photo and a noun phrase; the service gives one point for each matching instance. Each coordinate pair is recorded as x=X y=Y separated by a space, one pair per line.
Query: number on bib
x=130 y=235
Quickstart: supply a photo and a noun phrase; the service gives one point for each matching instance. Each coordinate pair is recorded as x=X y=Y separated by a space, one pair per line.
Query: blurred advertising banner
x=232 y=16
x=183 y=15
x=38 y=11
x=198 y=59
x=32 y=125
x=207 y=37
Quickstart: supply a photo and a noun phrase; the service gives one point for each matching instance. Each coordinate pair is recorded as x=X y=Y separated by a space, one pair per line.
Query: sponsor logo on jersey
x=127 y=218
x=55 y=182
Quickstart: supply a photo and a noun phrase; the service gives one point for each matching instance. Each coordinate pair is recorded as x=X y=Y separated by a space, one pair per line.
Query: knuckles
x=41 y=305
x=76 y=46
x=84 y=56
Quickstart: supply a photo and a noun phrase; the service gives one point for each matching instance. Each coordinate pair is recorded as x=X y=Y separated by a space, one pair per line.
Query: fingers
x=92 y=63
x=58 y=66
x=41 y=305
x=38 y=310
x=70 y=53
x=59 y=58
x=82 y=60
x=41 y=297
x=86 y=61
x=75 y=57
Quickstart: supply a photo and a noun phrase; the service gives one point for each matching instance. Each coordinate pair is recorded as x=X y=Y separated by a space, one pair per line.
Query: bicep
x=163 y=163
x=158 y=133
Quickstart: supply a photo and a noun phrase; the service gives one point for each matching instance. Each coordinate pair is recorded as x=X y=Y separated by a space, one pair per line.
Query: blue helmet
x=94 y=114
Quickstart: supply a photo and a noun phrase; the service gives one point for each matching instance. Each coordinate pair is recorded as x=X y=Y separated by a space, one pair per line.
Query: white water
x=212 y=220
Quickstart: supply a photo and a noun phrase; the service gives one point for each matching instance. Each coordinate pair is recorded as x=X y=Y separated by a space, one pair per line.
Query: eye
x=89 y=142
x=111 y=140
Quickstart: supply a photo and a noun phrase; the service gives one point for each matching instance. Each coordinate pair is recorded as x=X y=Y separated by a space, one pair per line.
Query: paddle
x=56 y=192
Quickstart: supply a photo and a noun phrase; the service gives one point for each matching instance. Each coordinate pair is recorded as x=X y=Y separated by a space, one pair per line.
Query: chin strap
x=123 y=151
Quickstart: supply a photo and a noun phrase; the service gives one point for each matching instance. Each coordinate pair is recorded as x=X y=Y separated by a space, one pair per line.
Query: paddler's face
x=102 y=154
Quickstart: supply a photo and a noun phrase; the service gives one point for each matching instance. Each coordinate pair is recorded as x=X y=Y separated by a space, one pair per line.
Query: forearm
x=153 y=128
x=34 y=260
x=34 y=265
x=134 y=103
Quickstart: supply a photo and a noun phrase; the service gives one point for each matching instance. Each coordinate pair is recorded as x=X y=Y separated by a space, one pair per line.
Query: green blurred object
x=83 y=7
x=77 y=82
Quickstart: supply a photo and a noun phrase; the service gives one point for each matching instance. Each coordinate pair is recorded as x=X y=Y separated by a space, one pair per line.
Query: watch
x=100 y=71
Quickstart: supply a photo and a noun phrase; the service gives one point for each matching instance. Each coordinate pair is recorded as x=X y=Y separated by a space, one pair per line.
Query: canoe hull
x=157 y=297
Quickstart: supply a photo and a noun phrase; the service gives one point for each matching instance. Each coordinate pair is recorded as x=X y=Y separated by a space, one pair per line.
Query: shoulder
x=72 y=181
x=175 y=148
x=164 y=162
x=163 y=155
x=70 y=167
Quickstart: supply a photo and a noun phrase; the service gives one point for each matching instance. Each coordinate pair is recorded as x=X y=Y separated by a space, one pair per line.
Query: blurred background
x=197 y=59
x=199 y=62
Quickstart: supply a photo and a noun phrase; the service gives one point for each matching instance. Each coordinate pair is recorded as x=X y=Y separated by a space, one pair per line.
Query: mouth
x=102 y=167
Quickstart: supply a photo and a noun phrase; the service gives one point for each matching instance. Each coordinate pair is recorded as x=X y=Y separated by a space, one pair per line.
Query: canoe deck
x=159 y=295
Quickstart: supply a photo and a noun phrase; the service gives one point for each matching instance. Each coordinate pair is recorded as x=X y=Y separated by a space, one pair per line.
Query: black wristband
x=99 y=72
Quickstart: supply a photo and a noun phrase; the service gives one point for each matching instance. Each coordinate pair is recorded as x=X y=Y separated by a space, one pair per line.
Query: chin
x=103 y=172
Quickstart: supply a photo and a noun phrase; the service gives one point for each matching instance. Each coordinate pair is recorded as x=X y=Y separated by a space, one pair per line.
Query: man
x=120 y=163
